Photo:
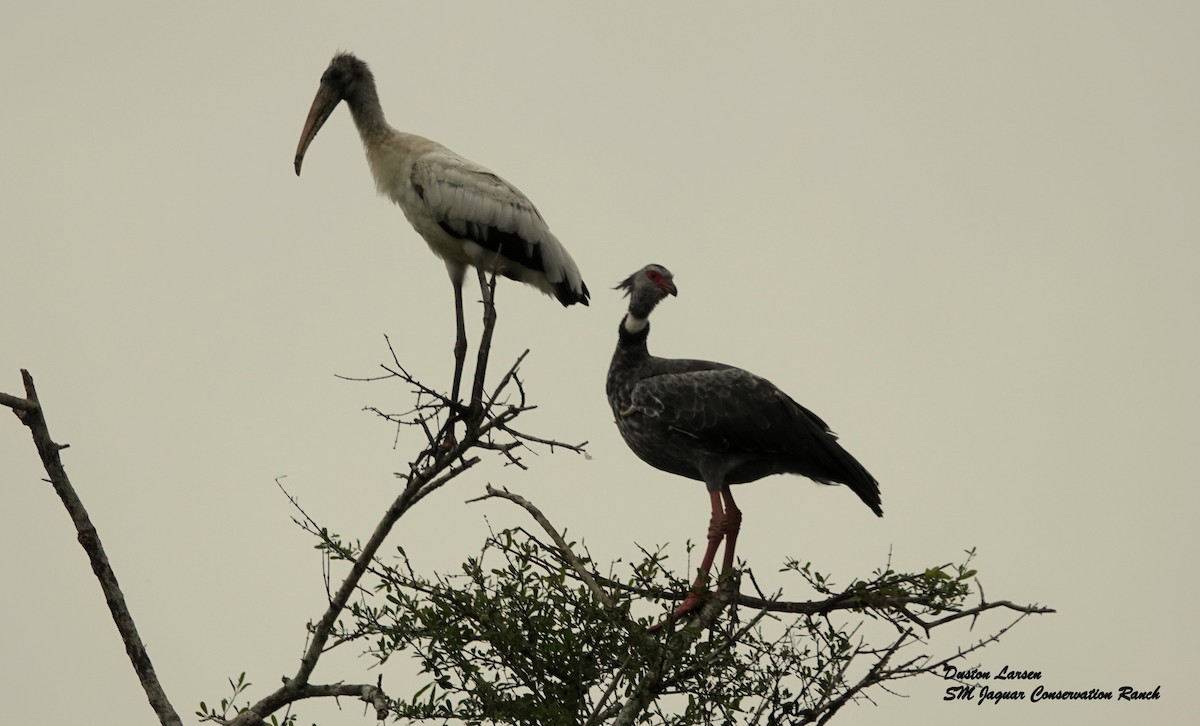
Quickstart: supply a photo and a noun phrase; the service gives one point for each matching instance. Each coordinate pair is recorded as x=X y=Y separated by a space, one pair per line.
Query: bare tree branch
x=370 y=694
x=29 y=411
x=18 y=405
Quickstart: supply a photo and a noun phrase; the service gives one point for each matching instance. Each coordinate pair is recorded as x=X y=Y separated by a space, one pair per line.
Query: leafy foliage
x=516 y=637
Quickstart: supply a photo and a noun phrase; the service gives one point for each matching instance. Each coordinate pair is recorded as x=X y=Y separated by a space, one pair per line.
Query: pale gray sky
x=965 y=235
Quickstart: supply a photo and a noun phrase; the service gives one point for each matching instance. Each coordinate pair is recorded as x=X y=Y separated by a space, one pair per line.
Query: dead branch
x=29 y=411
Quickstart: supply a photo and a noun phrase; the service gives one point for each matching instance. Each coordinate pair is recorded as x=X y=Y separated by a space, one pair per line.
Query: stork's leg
x=460 y=343
x=446 y=438
x=487 y=287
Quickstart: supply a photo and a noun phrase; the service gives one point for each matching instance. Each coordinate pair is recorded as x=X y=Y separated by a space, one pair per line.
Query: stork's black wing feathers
x=488 y=234
x=507 y=244
x=471 y=203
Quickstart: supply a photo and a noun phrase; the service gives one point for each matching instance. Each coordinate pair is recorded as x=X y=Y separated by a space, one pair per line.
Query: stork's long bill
x=322 y=106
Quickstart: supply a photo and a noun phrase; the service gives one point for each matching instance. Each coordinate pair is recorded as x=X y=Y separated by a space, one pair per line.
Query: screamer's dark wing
x=732 y=410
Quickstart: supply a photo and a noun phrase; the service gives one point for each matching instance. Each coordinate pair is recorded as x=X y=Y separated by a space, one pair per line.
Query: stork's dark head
x=346 y=79
x=345 y=75
x=646 y=288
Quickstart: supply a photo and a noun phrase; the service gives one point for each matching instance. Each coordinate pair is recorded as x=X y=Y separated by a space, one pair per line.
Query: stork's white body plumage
x=438 y=189
x=469 y=216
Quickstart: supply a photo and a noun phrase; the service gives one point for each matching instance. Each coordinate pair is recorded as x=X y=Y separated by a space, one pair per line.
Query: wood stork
x=467 y=215
x=715 y=423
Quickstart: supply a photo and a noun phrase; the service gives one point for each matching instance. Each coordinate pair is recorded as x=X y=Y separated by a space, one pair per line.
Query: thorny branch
x=495 y=433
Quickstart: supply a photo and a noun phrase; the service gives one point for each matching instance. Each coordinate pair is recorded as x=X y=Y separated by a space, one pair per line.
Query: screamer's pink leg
x=733 y=524
x=718 y=527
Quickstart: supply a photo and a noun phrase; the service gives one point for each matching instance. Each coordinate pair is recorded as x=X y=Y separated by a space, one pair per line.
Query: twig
x=596 y=716
x=983 y=606
x=872 y=677
x=551 y=443
x=561 y=543
x=511 y=375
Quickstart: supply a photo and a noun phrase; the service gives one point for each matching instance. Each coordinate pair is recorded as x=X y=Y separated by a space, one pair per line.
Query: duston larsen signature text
x=981 y=693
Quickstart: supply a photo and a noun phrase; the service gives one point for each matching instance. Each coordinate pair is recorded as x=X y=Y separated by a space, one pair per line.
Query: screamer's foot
x=690 y=604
